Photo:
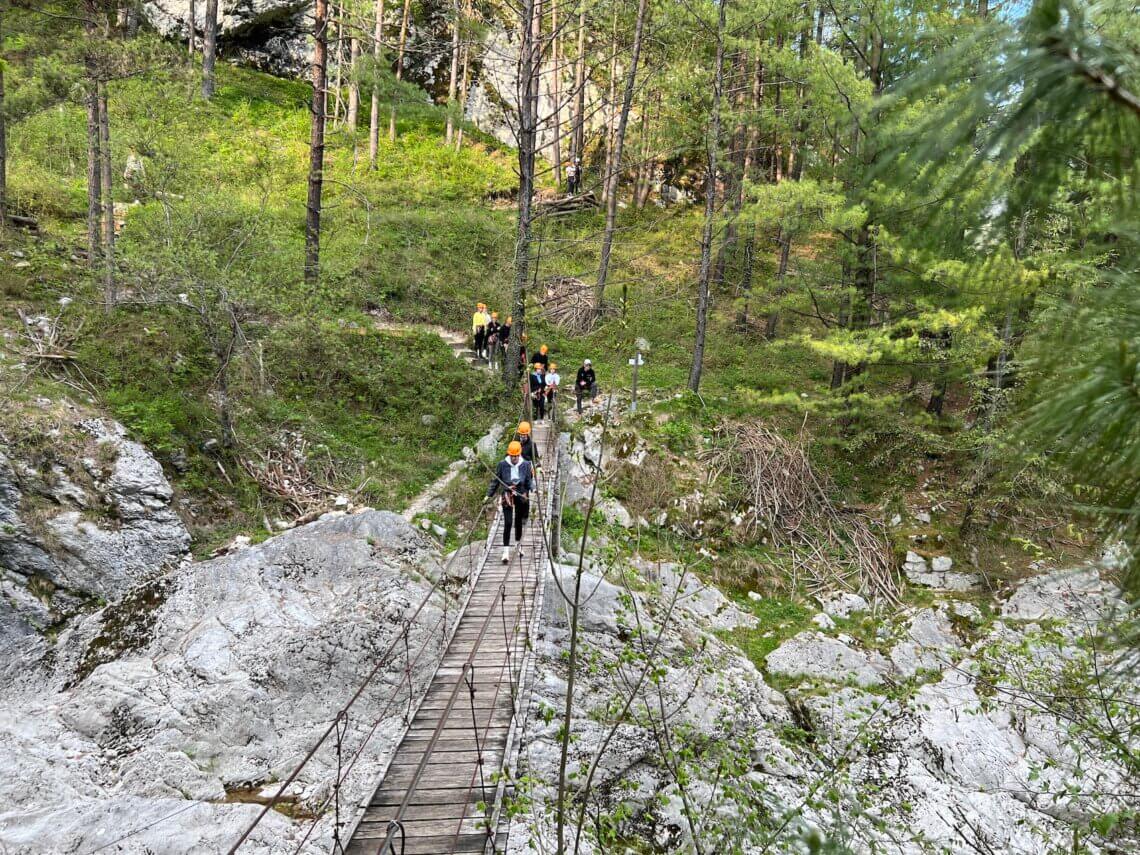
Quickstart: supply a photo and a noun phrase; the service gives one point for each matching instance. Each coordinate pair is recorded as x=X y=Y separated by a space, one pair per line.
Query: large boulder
x=84 y=518
x=216 y=678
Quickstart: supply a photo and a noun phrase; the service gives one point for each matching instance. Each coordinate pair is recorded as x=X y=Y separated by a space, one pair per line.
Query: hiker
x=543 y=356
x=504 y=338
x=514 y=476
x=538 y=391
x=529 y=446
x=585 y=384
x=574 y=176
x=523 y=363
x=494 y=333
x=552 y=380
x=479 y=329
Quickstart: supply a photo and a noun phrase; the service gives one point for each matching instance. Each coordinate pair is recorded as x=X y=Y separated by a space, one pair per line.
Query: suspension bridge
x=444 y=787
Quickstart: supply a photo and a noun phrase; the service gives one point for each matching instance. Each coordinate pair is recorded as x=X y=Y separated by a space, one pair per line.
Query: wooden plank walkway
x=436 y=785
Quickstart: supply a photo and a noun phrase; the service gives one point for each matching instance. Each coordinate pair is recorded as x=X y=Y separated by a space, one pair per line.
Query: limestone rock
x=218 y=675
x=928 y=644
x=811 y=654
x=1073 y=595
x=841 y=604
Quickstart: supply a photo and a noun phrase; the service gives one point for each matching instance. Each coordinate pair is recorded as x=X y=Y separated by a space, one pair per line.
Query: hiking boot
x=506 y=554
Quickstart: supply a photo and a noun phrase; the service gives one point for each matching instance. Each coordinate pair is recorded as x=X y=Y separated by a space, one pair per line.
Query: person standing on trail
x=514 y=477
x=543 y=356
x=538 y=391
x=552 y=380
x=529 y=446
x=586 y=383
x=479 y=322
x=572 y=177
x=494 y=333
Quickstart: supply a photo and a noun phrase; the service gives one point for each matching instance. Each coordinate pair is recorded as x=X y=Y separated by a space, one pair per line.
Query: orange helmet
x=524 y=429
x=544 y=350
x=537 y=366
x=510 y=318
x=494 y=314
x=480 y=305
x=515 y=448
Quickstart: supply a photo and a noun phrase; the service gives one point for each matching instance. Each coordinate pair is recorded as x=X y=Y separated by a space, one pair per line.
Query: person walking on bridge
x=538 y=391
x=543 y=357
x=504 y=339
x=586 y=383
x=514 y=478
x=553 y=379
x=479 y=322
x=529 y=446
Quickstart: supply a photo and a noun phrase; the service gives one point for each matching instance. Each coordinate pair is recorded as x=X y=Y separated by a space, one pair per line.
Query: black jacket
x=494 y=329
x=586 y=377
x=521 y=481
x=537 y=383
x=529 y=448
x=544 y=358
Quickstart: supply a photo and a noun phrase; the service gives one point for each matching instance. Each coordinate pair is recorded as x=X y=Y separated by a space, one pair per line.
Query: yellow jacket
x=479 y=319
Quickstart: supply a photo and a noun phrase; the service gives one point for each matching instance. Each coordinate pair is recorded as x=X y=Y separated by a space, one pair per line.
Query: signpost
x=636 y=362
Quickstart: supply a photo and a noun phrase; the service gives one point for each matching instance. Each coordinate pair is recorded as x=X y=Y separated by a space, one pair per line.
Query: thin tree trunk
x=209 y=48
x=399 y=67
x=453 y=78
x=105 y=178
x=579 y=131
x=374 y=116
x=3 y=136
x=317 y=142
x=353 y=85
x=191 y=14
x=556 y=92
x=712 y=144
x=337 y=35
x=644 y=169
x=736 y=182
x=611 y=112
x=746 y=278
x=94 y=159
x=784 y=240
x=527 y=140
x=466 y=84
x=615 y=170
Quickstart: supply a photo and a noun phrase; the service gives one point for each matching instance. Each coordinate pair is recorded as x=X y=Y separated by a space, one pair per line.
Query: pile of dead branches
x=790 y=505
x=46 y=346
x=287 y=472
x=556 y=205
x=568 y=302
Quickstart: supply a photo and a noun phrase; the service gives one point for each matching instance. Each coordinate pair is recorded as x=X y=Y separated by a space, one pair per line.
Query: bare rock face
x=271 y=35
x=82 y=520
x=215 y=678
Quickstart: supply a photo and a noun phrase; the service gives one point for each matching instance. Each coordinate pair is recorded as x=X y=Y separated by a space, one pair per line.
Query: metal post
x=636 y=362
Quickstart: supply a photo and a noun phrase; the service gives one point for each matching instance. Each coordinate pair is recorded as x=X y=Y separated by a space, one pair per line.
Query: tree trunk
x=94 y=160
x=746 y=278
x=453 y=78
x=353 y=85
x=317 y=142
x=191 y=14
x=712 y=144
x=556 y=92
x=336 y=34
x=614 y=175
x=527 y=139
x=579 y=131
x=644 y=173
x=785 y=243
x=3 y=138
x=399 y=67
x=209 y=48
x=466 y=83
x=736 y=182
x=611 y=112
x=374 y=116
x=105 y=180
